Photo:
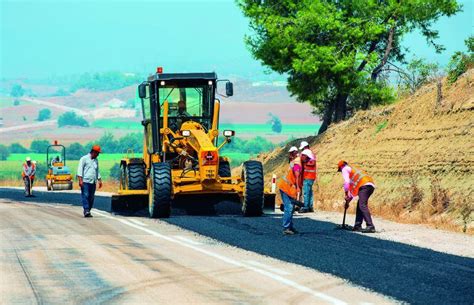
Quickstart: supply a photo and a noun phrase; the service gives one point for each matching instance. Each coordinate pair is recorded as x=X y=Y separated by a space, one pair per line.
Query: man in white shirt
x=88 y=175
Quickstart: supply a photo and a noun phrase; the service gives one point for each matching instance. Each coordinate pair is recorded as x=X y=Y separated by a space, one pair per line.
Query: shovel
x=344 y=226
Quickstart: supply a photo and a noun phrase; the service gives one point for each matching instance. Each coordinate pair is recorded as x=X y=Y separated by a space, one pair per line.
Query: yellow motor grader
x=181 y=150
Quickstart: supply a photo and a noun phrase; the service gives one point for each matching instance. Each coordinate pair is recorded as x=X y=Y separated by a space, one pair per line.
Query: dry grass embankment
x=420 y=153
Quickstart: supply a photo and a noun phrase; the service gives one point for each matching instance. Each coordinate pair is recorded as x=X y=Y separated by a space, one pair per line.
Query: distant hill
x=251 y=104
x=420 y=153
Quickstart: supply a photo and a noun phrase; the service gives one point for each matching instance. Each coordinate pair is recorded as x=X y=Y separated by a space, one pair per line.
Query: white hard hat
x=303 y=144
x=28 y=159
x=292 y=149
x=309 y=153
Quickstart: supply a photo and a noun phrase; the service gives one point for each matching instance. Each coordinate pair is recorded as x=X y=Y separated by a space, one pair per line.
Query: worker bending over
x=28 y=175
x=358 y=183
x=309 y=176
x=290 y=189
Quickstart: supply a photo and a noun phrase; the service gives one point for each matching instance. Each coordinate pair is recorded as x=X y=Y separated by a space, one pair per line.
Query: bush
x=275 y=122
x=115 y=172
x=17 y=148
x=16 y=102
x=460 y=61
x=4 y=152
x=44 y=114
x=133 y=141
x=71 y=119
x=17 y=91
x=75 y=151
x=39 y=146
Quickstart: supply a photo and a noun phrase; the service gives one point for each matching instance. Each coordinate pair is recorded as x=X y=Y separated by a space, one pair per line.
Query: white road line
x=269 y=268
x=236 y=263
x=192 y=242
x=138 y=222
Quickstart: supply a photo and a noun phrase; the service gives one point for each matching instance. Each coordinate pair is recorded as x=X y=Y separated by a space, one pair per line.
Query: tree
x=17 y=148
x=39 y=146
x=17 y=91
x=44 y=114
x=75 y=151
x=460 y=61
x=133 y=141
x=332 y=50
x=108 y=144
x=72 y=119
x=275 y=122
x=417 y=73
x=115 y=172
x=4 y=152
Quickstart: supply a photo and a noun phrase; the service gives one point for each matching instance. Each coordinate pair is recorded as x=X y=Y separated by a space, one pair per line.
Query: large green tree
x=334 y=51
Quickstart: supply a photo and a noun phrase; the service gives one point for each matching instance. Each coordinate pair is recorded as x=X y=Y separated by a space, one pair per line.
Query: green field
x=42 y=157
x=11 y=170
x=287 y=129
x=111 y=124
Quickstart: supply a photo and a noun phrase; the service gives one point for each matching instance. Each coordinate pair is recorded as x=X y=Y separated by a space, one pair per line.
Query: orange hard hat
x=340 y=165
x=96 y=148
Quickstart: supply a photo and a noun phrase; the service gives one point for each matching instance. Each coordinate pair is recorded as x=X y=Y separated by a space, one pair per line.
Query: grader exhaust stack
x=181 y=151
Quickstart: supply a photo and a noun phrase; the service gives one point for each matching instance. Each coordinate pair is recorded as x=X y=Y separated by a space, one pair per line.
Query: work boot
x=87 y=214
x=303 y=210
x=288 y=232
x=311 y=210
x=357 y=229
x=369 y=230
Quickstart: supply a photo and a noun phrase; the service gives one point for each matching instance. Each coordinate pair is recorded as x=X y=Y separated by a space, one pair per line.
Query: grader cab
x=181 y=150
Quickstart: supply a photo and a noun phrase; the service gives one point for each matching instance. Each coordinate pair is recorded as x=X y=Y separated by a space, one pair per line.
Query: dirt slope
x=420 y=153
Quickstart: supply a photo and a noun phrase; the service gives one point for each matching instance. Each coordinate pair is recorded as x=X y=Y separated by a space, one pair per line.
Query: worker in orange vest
x=358 y=183
x=309 y=176
x=290 y=190
x=28 y=175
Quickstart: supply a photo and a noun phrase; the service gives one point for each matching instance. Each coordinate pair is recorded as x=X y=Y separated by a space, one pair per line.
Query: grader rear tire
x=224 y=169
x=253 y=197
x=136 y=176
x=160 y=193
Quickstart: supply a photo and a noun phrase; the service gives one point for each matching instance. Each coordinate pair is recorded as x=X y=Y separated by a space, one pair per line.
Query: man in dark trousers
x=88 y=175
x=358 y=183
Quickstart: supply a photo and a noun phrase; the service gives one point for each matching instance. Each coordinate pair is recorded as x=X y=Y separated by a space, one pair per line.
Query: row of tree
x=338 y=53
x=76 y=150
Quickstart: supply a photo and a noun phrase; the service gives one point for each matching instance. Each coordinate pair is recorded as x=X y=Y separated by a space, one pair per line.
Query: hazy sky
x=41 y=38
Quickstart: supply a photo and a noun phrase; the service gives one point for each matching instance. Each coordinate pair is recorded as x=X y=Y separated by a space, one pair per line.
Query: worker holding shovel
x=290 y=190
x=28 y=174
x=358 y=183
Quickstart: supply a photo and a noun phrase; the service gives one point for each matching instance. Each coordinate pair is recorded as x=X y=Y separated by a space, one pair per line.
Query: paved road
x=50 y=254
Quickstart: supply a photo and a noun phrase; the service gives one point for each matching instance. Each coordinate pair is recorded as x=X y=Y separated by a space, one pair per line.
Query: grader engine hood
x=207 y=152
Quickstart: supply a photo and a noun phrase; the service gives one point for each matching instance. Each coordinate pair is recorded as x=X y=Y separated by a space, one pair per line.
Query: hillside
x=420 y=153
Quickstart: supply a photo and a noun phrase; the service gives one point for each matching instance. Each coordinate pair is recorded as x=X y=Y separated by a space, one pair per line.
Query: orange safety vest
x=287 y=184
x=358 y=178
x=309 y=172
x=25 y=166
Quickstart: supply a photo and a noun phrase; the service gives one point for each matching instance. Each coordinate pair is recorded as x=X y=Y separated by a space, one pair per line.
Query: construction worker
x=28 y=175
x=88 y=175
x=290 y=190
x=358 y=183
x=309 y=176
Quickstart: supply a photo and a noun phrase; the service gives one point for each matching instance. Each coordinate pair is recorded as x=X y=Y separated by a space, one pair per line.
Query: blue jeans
x=308 y=193
x=87 y=194
x=288 y=211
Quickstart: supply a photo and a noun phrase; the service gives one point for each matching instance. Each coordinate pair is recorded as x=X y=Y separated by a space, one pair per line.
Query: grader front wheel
x=253 y=197
x=160 y=193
